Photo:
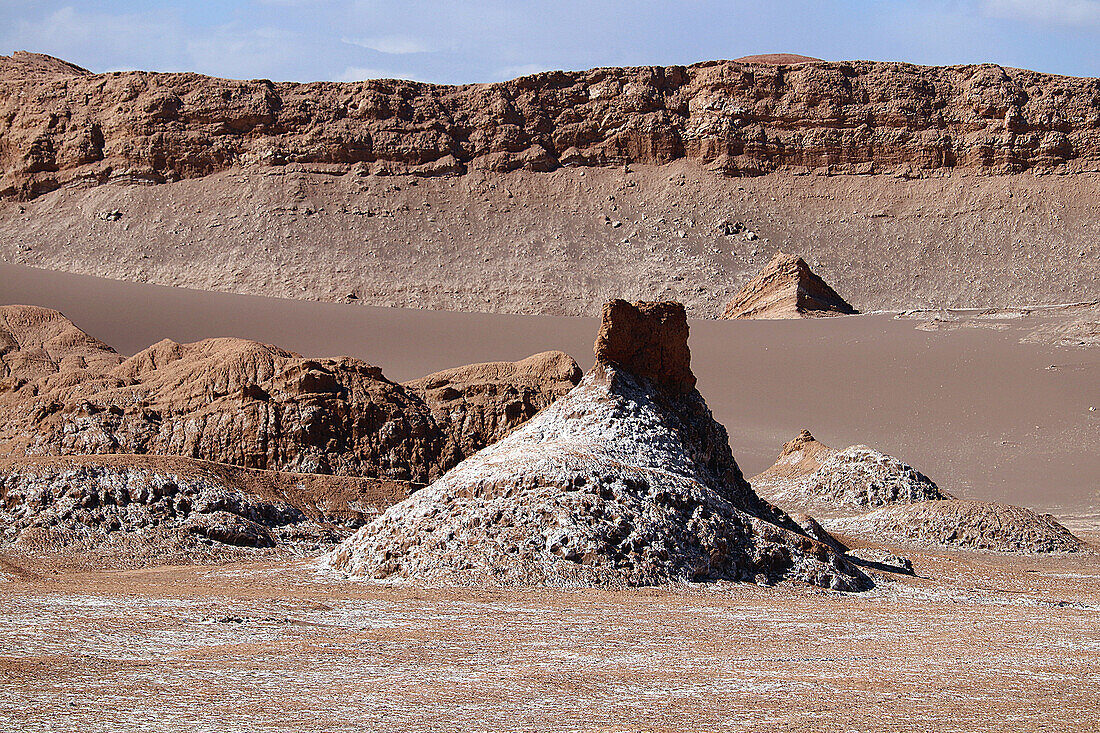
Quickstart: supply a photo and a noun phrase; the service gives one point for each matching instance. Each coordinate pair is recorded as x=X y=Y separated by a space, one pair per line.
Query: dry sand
x=983 y=415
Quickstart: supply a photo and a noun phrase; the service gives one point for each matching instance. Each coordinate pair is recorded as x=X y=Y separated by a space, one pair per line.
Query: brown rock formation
x=786 y=288
x=479 y=404
x=649 y=340
x=62 y=124
x=626 y=480
x=250 y=404
x=35 y=342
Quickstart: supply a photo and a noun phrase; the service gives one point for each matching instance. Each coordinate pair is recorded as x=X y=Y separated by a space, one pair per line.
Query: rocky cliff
x=62 y=124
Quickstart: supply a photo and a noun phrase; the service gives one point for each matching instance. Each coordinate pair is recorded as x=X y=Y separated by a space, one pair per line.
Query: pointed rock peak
x=786 y=288
x=804 y=436
x=647 y=339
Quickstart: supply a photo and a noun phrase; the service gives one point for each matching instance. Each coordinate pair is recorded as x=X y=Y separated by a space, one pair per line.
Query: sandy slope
x=548 y=242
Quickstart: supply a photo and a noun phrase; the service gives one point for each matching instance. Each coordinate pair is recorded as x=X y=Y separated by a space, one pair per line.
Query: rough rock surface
x=135 y=508
x=964 y=524
x=479 y=404
x=809 y=474
x=255 y=405
x=623 y=481
x=648 y=340
x=786 y=288
x=62 y=124
x=37 y=341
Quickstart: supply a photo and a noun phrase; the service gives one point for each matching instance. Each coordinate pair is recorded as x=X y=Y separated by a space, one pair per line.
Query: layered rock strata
x=63 y=124
x=786 y=288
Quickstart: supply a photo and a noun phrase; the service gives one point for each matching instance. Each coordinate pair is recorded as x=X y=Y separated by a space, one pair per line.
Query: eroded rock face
x=64 y=124
x=479 y=404
x=36 y=342
x=255 y=405
x=623 y=481
x=786 y=288
x=648 y=340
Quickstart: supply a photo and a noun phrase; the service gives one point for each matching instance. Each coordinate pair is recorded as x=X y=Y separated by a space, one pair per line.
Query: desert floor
x=977 y=642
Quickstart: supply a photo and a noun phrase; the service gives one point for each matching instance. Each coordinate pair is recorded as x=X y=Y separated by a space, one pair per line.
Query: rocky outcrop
x=964 y=524
x=479 y=404
x=63 y=125
x=863 y=493
x=255 y=405
x=786 y=288
x=626 y=480
x=140 y=508
x=648 y=340
x=36 y=342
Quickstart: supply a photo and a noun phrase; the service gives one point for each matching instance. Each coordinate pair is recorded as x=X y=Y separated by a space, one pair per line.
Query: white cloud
x=393 y=45
x=363 y=73
x=511 y=72
x=1056 y=12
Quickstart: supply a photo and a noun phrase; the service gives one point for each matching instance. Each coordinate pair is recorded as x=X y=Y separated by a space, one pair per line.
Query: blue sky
x=488 y=40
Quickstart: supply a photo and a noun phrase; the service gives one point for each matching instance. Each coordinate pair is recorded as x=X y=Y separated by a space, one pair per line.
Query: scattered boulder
x=230 y=529
x=626 y=480
x=786 y=288
x=878 y=559
x=958 y=523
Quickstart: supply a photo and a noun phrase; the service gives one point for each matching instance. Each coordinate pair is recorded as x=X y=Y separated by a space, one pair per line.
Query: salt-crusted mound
x=799 y=458
x=627 y=480
x=786 y=288
x=963 y=524
x=36 y=342
x=250 y=404
x=136 y=508
x=809 y=474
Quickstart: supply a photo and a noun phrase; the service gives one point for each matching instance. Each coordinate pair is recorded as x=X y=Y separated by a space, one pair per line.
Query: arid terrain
x=747 y=395
x=977 y=642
